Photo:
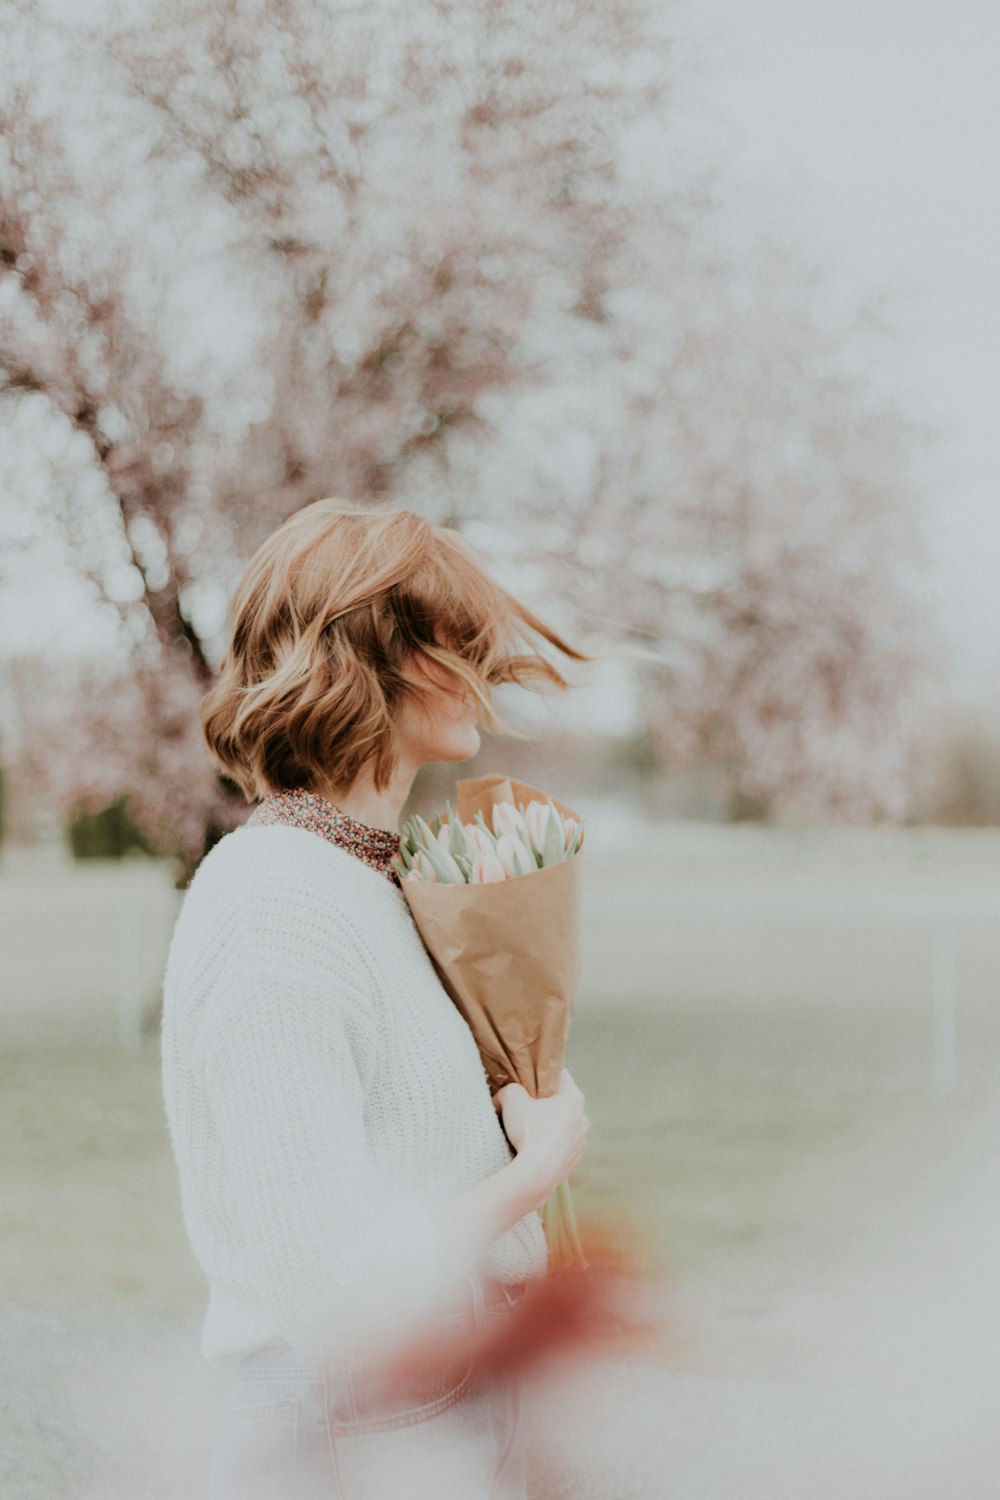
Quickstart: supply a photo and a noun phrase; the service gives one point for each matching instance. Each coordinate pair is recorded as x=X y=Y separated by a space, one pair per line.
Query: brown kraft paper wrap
x=508 y=952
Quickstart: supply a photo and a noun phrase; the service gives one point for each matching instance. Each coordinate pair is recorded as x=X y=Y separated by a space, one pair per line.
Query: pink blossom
x=789 y=600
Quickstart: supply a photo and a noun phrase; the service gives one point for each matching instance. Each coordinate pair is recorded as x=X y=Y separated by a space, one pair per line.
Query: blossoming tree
x=453 y=257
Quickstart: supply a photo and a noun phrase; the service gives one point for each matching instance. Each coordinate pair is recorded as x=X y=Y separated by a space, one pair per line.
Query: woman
x=346 y=1182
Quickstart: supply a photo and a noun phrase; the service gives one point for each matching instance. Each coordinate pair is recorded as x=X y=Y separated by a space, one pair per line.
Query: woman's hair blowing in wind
x=324 y=625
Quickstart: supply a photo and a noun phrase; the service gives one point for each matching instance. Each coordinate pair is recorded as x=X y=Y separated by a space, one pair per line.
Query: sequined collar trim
x=299 y=808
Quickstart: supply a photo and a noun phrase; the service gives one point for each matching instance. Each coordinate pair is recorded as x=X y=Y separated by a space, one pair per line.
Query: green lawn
x=734 y=1168
x=764 y=1179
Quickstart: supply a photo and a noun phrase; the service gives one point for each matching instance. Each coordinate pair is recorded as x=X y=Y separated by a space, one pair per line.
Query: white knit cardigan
x=323 y=1095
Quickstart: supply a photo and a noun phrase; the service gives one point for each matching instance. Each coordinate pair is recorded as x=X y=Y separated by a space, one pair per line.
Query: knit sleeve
x=341 y=1253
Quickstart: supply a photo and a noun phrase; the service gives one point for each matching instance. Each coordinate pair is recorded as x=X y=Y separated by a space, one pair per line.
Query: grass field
x=767 y=1194
x=719 y=1157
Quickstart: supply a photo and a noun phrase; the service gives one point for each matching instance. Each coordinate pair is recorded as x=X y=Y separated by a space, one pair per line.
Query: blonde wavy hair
x=330 y=610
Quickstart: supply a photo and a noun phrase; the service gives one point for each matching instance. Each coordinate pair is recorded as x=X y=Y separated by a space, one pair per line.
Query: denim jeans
x=294 y=1430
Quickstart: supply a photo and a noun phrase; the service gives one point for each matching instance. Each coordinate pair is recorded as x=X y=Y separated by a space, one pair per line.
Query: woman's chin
x=461 y=746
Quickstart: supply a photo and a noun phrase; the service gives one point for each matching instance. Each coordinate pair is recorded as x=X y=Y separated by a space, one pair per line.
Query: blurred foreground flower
x=497 y=904
x=607 y=1308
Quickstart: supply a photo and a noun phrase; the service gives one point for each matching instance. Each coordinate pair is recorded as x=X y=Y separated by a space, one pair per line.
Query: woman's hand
x=549 y=1134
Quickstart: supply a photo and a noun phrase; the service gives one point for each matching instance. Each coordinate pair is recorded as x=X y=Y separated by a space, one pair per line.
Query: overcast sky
x=869 y=130
x=872 y=128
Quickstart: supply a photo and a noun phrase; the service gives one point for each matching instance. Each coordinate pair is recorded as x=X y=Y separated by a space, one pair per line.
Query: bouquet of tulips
x=493 y=884
x=522 y=839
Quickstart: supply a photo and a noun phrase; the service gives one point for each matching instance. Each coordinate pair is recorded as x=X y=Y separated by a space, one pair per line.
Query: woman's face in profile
x=443 y=726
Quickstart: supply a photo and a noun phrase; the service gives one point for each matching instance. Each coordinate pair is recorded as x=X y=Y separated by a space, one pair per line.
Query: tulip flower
x=515 y=856
x=553 y=846
x=487 y=868
x=507 y=819
x=479 y=840
x=458 y=844
x=448 y=869
x=535 y=818
x=423 y=866
x=445 y=868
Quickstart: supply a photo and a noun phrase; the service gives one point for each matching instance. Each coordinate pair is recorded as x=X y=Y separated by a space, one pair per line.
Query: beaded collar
x=299 y=808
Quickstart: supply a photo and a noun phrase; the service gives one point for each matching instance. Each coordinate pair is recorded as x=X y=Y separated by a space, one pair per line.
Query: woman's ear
x=435 y=673
x=417 y=665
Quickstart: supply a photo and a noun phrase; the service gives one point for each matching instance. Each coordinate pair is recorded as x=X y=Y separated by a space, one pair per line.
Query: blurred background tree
x=460 y=259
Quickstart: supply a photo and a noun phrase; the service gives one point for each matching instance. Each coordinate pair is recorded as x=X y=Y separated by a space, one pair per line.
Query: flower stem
x=559 y=1221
